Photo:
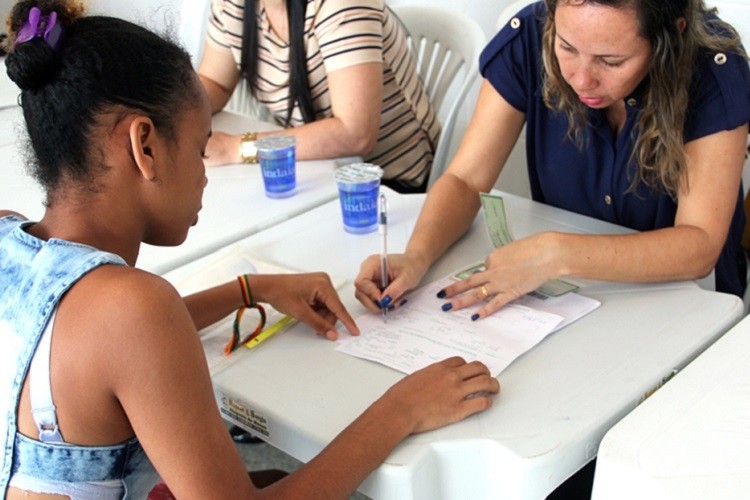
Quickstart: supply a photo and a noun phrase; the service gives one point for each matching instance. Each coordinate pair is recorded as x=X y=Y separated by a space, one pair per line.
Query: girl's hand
x=310 y=298
x=442 y=393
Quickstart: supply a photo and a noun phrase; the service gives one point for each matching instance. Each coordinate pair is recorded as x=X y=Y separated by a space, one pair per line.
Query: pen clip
x=382 y=212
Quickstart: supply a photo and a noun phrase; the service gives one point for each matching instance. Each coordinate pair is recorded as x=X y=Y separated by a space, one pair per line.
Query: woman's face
x=601 y=54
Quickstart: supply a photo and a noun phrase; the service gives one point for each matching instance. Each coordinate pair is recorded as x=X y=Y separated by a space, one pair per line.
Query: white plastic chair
x=446 y=44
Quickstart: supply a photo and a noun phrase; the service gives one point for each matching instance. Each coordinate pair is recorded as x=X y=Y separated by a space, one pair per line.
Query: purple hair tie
x=39 y=26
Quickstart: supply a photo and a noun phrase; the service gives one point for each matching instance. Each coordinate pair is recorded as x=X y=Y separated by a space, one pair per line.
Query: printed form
x=420 y=333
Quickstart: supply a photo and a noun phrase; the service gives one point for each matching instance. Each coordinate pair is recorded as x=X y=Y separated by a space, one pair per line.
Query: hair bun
x=32 y=65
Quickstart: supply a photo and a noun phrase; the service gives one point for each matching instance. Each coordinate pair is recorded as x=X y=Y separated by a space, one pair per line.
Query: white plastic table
x=557 y=401
x=690 y=439
x=235 y=205
x=234 y=201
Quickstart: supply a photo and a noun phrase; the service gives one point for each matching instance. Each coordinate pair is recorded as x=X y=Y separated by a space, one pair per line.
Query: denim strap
x=42 y=407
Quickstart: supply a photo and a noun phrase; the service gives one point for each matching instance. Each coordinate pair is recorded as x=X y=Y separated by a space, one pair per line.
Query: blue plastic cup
x=276 y=156
x=359 y=184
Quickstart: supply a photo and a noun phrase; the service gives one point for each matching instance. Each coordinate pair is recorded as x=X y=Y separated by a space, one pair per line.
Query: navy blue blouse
x=595 y=181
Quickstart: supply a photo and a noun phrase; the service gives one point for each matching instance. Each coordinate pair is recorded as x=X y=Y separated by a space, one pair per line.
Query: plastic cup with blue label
x=359 y=184
x=277 y=163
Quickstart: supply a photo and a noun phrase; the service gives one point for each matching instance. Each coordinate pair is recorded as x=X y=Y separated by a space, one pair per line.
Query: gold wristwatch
x=248 y=151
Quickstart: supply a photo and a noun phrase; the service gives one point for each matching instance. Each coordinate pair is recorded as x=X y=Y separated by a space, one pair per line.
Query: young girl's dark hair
x=299 y=89
x=101 y=65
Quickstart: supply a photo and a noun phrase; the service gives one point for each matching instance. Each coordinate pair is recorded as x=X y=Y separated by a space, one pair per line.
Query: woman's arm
x=453 y=201
x=219 y=75
x=689 y=250
x=356 y=96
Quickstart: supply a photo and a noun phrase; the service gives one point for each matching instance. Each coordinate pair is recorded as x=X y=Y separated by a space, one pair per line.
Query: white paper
x=421 y=333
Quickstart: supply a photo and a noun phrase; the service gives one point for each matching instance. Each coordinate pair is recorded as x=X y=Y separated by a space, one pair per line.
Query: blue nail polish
x=403 y=301
x=441 y=294
x=391 y=307
x=474 y=317
x=385 y=301
x=447 y=306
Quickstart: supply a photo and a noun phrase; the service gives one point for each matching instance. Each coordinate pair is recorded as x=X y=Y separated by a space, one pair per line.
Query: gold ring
x=485 y=293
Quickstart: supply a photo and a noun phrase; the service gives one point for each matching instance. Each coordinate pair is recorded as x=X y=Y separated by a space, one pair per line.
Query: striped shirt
x=341 y=34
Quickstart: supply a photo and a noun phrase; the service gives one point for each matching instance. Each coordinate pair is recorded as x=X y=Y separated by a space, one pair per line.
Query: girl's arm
x=159 y=377
x=310 y=298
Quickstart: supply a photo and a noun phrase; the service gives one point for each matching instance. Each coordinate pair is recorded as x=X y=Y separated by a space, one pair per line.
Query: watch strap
x=248 y=152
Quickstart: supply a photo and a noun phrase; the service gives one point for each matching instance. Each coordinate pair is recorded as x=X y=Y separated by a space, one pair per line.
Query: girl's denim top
x=34 y=275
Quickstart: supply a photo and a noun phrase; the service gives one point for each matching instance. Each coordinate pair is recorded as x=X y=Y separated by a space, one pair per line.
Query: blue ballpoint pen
x=383 y=230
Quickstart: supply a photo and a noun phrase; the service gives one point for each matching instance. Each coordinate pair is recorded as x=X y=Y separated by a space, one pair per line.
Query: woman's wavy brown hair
x=659 y=147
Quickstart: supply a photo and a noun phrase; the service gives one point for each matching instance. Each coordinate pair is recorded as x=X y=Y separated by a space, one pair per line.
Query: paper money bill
x=500 y=234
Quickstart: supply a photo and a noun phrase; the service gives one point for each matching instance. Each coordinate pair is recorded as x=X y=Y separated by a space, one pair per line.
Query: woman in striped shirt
x=338 y=74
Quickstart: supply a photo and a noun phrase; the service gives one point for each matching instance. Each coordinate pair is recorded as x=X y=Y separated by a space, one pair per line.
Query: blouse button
x=607 y=199
x=720 y=58
x=632 y=101
x=515 y=23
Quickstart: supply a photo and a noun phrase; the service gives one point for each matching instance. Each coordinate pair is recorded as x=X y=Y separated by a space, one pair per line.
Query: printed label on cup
x=359 y=185
x=277 y=164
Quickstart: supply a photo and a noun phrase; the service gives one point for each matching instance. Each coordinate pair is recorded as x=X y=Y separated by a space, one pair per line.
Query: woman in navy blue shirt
x=636 y=114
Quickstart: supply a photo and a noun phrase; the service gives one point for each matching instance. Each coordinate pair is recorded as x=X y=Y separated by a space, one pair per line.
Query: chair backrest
x=446 y=43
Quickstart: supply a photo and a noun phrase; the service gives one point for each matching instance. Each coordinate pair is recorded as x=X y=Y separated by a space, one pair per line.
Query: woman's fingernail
x=441 y=294
x=385 y=301
x=447 y=306
x=474 y=316
x=403 y=301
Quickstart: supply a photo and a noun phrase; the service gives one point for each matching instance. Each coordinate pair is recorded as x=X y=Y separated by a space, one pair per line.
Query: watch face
x=248 y=149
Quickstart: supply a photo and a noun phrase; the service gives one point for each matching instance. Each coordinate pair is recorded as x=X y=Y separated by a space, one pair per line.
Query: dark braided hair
x=103 y=64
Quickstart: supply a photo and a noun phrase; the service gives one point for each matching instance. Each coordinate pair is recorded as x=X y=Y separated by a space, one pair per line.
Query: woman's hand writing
x=404 y=273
